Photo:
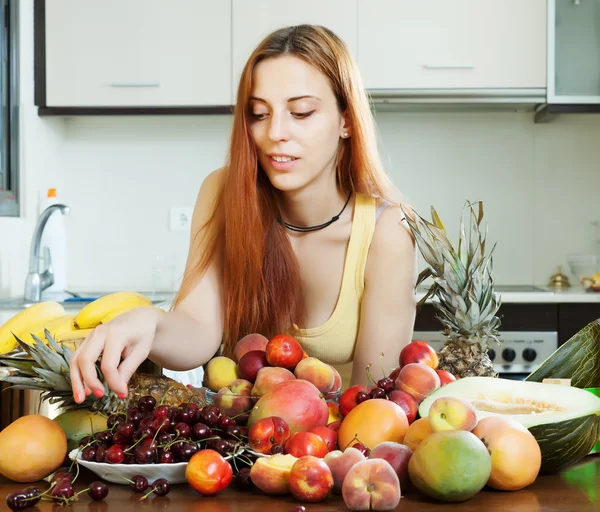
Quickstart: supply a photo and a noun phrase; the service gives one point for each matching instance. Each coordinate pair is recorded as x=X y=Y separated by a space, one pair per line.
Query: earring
x=345 y=135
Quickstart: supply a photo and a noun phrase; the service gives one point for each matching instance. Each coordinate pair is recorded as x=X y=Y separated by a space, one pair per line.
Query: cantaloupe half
x=564 y=420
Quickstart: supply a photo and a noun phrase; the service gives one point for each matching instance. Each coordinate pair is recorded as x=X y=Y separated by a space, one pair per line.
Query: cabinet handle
x=449 y=66
x=135 y=84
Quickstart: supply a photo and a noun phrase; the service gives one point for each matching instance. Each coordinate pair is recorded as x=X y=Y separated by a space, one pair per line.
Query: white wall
x=120 y=175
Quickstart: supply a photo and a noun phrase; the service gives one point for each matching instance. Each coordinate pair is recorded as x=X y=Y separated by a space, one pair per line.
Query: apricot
x=372 y=422
x=310 y=479
x=285 y=351
x=298 y=402
x=251 y=363
x=249 y=342
x=316 y=371
x=220 y=372
x=306 y=443
x=272 y=474
x=516 y=455
x=419 y=351
x=269 y=377
x=406 y=401
x=417 y=432
x=371 y=484
x=398 y=455
x=418 y=380
x=340 y=462
x=236 y=398
x=452 y=413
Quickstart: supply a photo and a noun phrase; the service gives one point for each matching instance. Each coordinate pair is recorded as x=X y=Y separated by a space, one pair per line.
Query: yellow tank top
x=334 y=341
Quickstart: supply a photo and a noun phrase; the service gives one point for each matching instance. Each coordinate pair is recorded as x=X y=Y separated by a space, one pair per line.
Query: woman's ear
x=346 y=127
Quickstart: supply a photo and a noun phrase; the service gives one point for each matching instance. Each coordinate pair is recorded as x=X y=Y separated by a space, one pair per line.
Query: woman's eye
x=258 y=116
x=302 y=115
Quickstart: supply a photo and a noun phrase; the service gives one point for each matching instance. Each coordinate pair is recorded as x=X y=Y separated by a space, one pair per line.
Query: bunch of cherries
x=147 y=433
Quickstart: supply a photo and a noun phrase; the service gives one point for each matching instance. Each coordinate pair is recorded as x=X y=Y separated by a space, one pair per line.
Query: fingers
x=109 y=366
x=130 y=364
x=87 y=357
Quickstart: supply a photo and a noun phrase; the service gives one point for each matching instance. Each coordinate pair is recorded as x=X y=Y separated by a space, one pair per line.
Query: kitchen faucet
x=36 y=282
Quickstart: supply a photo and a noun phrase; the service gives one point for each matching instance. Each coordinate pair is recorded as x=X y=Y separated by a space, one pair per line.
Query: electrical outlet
x=180 y=218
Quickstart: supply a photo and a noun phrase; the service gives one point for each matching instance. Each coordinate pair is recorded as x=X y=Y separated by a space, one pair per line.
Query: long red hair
x=261 y=281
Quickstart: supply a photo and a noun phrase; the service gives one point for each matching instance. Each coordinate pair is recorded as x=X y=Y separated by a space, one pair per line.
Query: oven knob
x=491 y=354
x=529 y=354
x=508 y=354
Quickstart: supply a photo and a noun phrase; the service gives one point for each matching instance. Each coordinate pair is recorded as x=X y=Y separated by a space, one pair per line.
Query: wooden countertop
x=568 y=491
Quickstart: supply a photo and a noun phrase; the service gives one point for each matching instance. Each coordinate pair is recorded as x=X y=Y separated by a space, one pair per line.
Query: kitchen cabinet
x=134 y=53
x=574 y=51
x=465 y=44
x=253 y=20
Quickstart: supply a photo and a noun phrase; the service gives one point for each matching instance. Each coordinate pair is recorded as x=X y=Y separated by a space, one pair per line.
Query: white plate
x=174 y=473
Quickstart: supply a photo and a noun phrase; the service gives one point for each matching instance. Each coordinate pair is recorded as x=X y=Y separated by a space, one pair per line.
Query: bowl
x=174 y=473
x=583 y=266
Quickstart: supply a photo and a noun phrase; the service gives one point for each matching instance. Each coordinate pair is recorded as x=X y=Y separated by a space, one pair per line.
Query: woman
x=299 y=232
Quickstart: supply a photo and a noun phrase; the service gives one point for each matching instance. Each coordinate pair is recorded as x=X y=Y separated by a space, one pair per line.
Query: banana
x=92 y=314
x=116 y=312
x=30 y=316
x=56 y=325
x=77 y=334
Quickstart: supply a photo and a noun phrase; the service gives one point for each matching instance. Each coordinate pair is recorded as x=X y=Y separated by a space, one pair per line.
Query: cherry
x=377 y=393
x=33 y=495
x=146 y=403
x=361 y=396
x=386 y=384
x=176 y=448
x=244 y=430
x=164 y=439
x=200 y=431
x=222 y=446
x=114 y=455
x=233 y=432
x=165 y=457
x=185 y=416
x=161 y=411
x=115 y=419
x=129 y=458
x=85 y=441
x=276 y=448
x=145 y=455
x=134 y=416
x=62 y=491
x=143 y=434
x=146 y=423
x=183 y=429
x=209 y=418
x=149 y=442
x=161 y=487
x=126 y=430
x=17 y=500
x=161 y=424
x=100 y=453
x=243 y=480
x=362 y=448
x=98 y=490
x=187 y=451
x=89 y=453
x=63 y=474
x=225 y=421
x=138 y=483
x=213 y=408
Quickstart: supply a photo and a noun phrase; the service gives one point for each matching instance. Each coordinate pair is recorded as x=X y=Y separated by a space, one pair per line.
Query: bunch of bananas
x=66 y=328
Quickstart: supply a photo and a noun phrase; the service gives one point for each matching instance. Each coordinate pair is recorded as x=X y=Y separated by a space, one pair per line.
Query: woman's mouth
x=282 y=162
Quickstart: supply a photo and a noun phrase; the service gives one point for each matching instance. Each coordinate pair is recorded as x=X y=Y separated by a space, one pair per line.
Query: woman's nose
x=279 y=127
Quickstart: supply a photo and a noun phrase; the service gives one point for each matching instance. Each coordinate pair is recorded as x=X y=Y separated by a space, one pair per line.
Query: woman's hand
x=128 y=336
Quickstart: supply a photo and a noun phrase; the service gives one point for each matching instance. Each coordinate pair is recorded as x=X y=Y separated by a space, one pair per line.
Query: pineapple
x=49 y=372
x=464 y=288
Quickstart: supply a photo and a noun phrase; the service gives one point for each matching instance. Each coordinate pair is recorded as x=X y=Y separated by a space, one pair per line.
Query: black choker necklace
x=302 y=229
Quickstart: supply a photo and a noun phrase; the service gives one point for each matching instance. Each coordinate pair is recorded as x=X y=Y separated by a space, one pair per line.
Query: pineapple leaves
x=55 y=380
x=44 y=356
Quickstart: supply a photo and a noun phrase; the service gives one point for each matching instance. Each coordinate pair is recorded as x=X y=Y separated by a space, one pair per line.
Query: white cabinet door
x=436 y=44
x=253 y=20
x=138 y=53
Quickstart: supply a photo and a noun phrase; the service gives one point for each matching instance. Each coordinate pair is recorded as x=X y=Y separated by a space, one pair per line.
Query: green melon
x=564 y=420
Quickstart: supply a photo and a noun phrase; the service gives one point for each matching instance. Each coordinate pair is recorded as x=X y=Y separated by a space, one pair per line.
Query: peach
x=418 y=380
x=236 y=398
x=285 y=351
x=249 y=342
x=298 y=402
x=316 y=371
x=348 y=399
x=337 y=381
x=311 y=479
x=328 y=435
x=397 y=455
x=419 y=352
x=417 y=432
x=251 y=363
x=406 y=401
x=340 y=463
x=220 y=373
x=452 y=413
x=334 y=412
x=372 y=422
x=306 y=443
x=269 y=377
x=371 y=484
x=272 y=474
x=445 y=377
x=266 y=433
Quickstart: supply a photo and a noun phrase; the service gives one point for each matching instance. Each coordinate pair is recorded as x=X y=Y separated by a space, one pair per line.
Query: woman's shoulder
x=392 y=232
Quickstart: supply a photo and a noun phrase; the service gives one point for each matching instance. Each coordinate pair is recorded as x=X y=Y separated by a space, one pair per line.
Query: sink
x=82 y=298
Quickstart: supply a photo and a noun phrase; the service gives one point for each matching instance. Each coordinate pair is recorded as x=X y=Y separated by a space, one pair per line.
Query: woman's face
x=295 y=122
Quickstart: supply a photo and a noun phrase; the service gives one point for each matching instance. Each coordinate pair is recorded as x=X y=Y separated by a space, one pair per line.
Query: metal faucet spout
x=37 y=281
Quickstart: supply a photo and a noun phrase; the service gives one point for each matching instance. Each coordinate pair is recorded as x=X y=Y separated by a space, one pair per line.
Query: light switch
x=180 y=218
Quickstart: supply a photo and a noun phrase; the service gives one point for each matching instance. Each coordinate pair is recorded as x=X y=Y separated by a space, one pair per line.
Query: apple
x=310 y=479
x=348 y=399
x=328 y=435
x=250 y=364
x=340 y=463
x=267 y=432
x=208 y=472
x=306 y=443
x=397 y=455
x=371 y=484
x=284 y=351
